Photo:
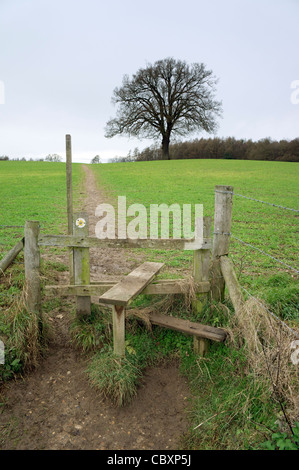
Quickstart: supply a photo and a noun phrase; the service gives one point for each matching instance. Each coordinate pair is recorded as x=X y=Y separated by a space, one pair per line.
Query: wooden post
x=81 y=264
x=69 y=194
x=221 y=237
x=32 y=268
x=201 y=272
x=118 y=318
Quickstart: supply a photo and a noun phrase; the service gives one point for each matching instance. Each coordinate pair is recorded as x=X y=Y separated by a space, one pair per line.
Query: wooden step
x=186 y=326
x=130 y=286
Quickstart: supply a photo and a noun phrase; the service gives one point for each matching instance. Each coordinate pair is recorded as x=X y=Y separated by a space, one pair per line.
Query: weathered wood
x=32 y=268
x=201 y=267
x=69 y=184
x=164 y=286
x=10 y=256
x=69 y=195
x=221 y=239
x=118 y=319
x=81 y=264
x=89 y=242
x=188 y=327
x=232 y=283
x=130 y=286
x=200 y=345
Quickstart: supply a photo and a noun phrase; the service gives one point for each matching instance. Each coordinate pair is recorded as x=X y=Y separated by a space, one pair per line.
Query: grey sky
x=61 y=59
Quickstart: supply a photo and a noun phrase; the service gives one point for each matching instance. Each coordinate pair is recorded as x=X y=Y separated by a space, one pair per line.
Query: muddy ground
x=54 y=407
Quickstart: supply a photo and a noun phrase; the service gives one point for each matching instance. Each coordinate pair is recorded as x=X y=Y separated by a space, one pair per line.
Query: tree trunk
x=165 y=147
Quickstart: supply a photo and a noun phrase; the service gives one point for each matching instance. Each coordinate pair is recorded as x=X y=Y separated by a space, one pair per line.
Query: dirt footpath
x=55 y=407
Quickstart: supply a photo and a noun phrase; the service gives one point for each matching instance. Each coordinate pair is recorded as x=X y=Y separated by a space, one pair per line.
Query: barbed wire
x=256 y=200
x=264 y=253
x=264 y=202
x=271 y=313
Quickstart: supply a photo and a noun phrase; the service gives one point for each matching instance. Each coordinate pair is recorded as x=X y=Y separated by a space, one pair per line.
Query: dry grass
x=268 y=346
x=28 y=332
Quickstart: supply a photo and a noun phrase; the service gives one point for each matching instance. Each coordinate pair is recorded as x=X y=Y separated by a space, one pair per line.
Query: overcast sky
x=61 y=59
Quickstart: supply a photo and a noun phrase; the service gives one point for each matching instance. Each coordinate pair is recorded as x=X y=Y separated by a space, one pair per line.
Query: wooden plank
x=89 y=242
x=81 y=264
x=130 y=286
x=10 y=256
x=188 y=327
x=221 y=237
x=164 y=286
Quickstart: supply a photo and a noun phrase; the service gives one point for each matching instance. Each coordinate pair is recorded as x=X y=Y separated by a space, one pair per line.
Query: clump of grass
x=116 y=377
x=25 y=336
x=230 y=408
x=90 y=334
x=267 y=342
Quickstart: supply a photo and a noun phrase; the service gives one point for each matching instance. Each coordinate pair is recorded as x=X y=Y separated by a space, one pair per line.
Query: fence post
x=201 y=272
x=69 y=195
x=221 y=237
x=32 y=268
x=81 y=263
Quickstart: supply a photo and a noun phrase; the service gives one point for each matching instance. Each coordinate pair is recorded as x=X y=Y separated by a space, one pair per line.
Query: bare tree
x=53 y=158
x=96 y=159
x=167 y=97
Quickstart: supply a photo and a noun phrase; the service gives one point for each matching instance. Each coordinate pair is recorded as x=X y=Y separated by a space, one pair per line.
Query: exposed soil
x=54 y=407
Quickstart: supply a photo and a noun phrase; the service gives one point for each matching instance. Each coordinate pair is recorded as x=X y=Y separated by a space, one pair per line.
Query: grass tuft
x=116 y=377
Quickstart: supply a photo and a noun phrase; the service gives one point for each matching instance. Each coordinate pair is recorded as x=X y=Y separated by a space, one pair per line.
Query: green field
x=268 y=228
x=33 y=191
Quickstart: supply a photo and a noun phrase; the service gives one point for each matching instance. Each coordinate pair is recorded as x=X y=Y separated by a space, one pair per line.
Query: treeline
x=217 y=148
x=49 y=158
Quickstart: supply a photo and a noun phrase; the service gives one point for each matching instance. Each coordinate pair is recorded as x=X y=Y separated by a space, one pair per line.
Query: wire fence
x=265 y=253
x=257 y=248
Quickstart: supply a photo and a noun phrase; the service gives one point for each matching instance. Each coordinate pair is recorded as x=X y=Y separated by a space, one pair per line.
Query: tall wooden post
x=201 y=272
x=69 y=195
x=32 y=268
x=221 y=237
x=81 y=263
